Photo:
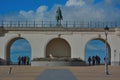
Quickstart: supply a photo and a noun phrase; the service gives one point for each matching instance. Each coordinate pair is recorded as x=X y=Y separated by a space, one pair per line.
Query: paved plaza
x=57 y=73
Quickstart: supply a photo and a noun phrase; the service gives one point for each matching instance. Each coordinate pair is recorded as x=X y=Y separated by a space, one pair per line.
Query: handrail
x=66 y=24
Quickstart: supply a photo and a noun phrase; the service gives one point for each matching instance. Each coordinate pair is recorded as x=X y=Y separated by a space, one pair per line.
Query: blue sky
x=20 y=47
x=14 y=6
x=72 y=9
x=82 y=10
x=96 y=47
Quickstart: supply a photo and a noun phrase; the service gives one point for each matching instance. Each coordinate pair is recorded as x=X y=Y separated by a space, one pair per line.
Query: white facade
x=77 y=40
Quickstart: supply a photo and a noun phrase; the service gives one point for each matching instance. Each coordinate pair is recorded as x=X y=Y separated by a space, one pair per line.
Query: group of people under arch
x=23 y=60
x=94 y=60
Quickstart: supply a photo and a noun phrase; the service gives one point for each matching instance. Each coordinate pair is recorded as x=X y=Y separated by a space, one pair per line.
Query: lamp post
x=114 y=56
x=119 y=58
x=106 y=51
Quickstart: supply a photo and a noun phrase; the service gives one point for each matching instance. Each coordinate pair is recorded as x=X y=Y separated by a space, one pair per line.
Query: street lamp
x=106 y=53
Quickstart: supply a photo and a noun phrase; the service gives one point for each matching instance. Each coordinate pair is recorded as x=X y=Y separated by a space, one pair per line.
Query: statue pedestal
x=58 y=25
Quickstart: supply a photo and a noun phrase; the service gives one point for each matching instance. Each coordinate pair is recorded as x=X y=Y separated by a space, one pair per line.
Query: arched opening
x=18 y=50
x=58 y=48
x=97 y=47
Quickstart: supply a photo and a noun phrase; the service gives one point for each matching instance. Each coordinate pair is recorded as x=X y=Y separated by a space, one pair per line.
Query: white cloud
x=26 y=14
x=39 y=13
x=75 y=3
x=91 y=47
x=41 y=9
x=76 y=10
x=81 y=10
x=108 y=1
x=84 y=13
x=96 y=47
x=21 y=46
x=112 y=2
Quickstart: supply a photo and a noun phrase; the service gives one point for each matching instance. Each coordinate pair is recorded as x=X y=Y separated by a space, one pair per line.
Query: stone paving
x=73 y=72
x=57 y=74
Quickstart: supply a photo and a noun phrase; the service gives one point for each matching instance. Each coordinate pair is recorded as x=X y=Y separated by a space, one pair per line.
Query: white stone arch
x=104 y=41
x=8 y=45
x=54 y=39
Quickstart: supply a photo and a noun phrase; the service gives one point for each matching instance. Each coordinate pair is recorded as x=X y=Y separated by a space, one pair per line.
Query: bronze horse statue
x=59 y=16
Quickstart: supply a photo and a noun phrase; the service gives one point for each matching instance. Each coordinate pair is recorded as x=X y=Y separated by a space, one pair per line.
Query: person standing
x=19 y=60
x=89 y=60
x=27 y=60
x=93 y=60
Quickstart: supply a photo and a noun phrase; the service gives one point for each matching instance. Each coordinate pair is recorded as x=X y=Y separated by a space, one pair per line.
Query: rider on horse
x=59 y=16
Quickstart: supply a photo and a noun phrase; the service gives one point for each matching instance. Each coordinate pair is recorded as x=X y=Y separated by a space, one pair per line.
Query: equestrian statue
x=59 y=16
